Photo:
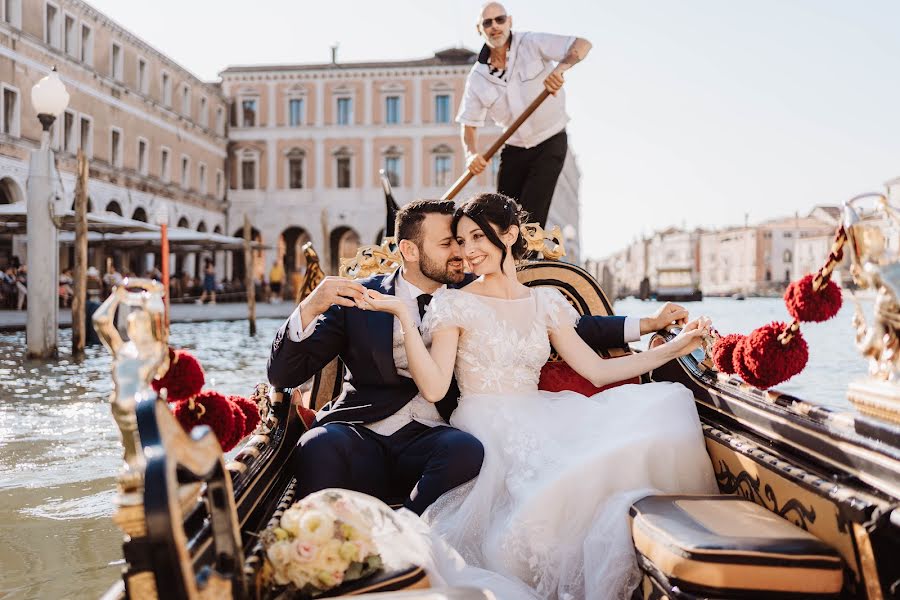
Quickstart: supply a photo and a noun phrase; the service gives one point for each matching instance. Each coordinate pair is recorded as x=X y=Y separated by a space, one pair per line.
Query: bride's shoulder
x=548 y=295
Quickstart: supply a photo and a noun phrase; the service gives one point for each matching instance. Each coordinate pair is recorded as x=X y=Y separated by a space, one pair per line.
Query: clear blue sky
x=688 y=112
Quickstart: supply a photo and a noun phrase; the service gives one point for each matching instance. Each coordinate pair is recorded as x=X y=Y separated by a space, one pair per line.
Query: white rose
x=290 y=520
x=279 y=554
x=316 y=526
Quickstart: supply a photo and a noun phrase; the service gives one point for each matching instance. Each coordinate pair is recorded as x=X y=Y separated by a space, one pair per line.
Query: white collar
x=406 y=287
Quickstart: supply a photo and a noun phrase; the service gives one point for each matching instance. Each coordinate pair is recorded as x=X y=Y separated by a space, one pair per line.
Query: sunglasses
x=499 y=20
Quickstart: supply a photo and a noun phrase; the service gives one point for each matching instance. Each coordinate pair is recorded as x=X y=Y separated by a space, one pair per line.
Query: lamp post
x=49 y=98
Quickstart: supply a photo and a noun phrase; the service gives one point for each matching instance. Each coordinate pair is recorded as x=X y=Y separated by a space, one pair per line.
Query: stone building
x=154 y=132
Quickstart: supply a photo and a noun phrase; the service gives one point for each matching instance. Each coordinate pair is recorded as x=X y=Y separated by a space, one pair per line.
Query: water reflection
x=60 y=451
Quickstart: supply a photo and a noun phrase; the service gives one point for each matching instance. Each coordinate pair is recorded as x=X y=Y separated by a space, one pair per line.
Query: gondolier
x=512 y=69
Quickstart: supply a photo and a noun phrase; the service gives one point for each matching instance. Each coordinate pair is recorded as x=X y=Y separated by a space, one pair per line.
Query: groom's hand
x=667 y=314
x=330 y=291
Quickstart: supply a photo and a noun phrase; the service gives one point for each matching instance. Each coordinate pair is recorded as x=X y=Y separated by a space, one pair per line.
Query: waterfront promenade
x=14 y=320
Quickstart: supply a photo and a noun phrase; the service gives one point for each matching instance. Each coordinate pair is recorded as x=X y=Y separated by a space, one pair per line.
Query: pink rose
x=306 y=551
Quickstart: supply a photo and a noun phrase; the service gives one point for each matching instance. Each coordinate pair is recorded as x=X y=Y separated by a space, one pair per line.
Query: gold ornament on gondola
x=873 y=234
x=314 y=274
x=136 y=362
x=372 y=260
x=539 y=242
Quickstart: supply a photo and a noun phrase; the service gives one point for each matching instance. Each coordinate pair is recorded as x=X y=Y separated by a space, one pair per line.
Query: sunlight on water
x=60 y=450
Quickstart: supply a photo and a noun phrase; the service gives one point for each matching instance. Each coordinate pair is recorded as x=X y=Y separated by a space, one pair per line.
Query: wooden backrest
x=577 y=285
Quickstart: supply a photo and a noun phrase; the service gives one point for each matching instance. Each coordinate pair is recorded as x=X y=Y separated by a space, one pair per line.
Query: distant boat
x=738 y=296
x=677 y=284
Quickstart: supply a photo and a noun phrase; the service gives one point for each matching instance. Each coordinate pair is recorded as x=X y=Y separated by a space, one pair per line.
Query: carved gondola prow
x=314 y=274
x=164 y=468
x=175 y=459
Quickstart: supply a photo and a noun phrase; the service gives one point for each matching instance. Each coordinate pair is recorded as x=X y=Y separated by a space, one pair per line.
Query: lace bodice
x=503 y=343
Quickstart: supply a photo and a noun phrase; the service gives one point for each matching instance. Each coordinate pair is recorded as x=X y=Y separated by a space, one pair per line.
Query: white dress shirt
x=529 y=60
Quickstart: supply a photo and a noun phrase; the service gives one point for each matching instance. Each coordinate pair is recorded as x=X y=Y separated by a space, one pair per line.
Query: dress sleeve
x=443 y=312
x=556 y=310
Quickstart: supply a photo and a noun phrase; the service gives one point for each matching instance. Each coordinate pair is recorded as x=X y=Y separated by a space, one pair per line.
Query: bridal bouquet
x=321 y=542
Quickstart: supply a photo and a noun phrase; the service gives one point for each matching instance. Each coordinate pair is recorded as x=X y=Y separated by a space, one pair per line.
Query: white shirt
x=529 y=60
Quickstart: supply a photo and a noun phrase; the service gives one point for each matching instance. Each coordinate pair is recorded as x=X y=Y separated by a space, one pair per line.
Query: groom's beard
x=447 y=273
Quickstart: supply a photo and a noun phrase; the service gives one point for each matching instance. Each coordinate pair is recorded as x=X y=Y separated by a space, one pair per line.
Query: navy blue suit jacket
x=372 y=389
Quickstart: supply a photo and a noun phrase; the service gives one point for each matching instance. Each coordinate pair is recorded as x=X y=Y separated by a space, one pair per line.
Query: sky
x=692 y=113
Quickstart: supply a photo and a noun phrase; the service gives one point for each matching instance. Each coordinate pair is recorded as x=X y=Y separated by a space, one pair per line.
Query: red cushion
x=307 y=415
x=559 y=377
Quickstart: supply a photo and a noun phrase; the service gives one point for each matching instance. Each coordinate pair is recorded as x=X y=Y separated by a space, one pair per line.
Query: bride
x=547 y=517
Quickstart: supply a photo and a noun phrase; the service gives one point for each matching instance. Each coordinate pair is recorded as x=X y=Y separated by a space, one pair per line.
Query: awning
x=14 y=219
x=112 y=230
x=180 y=240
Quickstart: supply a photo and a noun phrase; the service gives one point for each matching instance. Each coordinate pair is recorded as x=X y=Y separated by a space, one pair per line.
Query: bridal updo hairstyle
x=494 y=209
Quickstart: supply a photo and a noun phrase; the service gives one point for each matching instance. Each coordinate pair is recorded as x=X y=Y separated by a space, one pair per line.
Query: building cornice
x=102 y=19
x=120 y=105
x=268 y=74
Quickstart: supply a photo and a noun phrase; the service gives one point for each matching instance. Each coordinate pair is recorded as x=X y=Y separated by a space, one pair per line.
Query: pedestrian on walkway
x=209 y=282
x=276 y=279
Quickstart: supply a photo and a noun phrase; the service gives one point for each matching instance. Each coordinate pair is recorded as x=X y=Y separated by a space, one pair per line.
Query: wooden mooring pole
x=248 y=277
x=79 y=283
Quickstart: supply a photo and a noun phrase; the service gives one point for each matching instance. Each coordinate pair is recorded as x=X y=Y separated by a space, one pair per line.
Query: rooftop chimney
x=334 y=50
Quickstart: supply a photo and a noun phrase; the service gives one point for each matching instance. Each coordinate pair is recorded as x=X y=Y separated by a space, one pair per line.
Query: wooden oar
x=465 y=177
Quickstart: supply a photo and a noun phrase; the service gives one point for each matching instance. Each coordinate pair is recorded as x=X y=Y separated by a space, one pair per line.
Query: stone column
x=42 y=254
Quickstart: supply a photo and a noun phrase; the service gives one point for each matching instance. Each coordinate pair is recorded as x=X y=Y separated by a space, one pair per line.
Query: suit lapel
x=381 y=332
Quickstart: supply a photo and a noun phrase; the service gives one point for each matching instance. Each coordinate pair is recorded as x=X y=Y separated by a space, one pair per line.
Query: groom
x=380 y=436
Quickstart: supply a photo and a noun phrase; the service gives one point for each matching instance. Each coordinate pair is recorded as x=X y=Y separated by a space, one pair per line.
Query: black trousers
x=529 y=175
x=414 y=466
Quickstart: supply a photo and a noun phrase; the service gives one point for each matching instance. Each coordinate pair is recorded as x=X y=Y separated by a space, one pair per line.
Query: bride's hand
x=690 y=338
x=373 y=300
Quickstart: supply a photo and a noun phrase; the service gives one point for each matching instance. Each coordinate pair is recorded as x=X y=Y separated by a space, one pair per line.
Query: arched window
x=114 y=207
x=139 y=214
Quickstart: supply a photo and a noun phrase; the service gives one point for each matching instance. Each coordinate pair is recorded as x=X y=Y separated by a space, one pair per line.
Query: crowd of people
x=183 y=287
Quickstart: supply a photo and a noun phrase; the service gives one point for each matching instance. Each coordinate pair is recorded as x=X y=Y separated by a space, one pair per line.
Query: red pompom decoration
x=763 y=361
x=183 y=380
x=723 y=352
x=251 y=413
x=237 y=432
x=212 y=409
x=806 y=305
x=560 y=377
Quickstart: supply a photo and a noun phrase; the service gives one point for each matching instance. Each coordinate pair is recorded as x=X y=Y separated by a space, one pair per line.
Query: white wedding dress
x=548 y=515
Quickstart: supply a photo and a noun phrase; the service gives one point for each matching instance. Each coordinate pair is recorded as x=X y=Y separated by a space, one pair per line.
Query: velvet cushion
x=559 y=377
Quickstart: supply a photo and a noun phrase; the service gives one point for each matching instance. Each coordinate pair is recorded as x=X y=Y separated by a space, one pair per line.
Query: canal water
x=59 y=447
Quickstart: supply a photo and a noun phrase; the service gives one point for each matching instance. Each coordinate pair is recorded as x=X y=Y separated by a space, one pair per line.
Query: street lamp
x=50 y=98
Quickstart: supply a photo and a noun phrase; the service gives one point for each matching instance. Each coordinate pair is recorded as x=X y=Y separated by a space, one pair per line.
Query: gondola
x=809 y=502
